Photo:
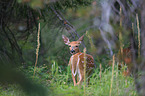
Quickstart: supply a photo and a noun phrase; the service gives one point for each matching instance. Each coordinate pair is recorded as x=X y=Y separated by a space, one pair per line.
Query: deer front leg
x=74 y=80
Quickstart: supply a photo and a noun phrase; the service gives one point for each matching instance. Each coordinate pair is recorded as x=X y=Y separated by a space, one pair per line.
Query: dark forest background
x=110 y=27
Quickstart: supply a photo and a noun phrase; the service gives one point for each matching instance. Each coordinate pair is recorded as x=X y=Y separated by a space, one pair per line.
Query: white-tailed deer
x=76 y=61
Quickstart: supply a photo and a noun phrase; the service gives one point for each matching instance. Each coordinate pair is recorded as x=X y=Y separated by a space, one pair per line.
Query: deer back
x=77 y=63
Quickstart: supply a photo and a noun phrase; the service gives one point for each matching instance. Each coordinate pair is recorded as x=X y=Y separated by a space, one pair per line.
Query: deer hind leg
x=74 y=80
x=81 y=77
x=88 y=82
x=88 y=79
x=80 y=81
x=88 y=76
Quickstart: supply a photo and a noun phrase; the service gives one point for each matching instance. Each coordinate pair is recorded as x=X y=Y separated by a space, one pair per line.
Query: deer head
x=74 y=45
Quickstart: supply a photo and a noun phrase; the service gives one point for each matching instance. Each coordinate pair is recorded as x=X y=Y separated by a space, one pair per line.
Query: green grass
x=59 y=83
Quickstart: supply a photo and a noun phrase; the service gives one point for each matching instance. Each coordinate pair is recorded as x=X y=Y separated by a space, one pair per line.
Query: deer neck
x=77 y=53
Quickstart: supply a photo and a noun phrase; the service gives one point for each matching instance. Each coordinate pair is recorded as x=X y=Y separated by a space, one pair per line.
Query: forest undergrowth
x=59 y=82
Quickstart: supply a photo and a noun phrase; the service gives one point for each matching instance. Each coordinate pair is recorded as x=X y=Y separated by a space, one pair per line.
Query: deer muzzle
x=72 y=51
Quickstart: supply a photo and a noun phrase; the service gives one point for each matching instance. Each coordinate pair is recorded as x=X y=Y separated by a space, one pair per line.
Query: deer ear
x=65 y=39
x=81 y=38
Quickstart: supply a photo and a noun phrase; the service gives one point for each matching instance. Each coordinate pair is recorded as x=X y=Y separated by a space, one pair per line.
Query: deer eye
x=77 y=46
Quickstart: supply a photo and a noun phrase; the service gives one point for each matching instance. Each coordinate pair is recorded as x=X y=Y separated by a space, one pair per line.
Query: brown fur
x=76 y=61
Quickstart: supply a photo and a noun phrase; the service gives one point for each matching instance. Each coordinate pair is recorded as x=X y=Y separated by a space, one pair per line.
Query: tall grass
x=59 y=83
x=121 y=38
x=85 y=61
x=112 y=75
x=139 y=44
x=37 y=49
x=96 y=88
